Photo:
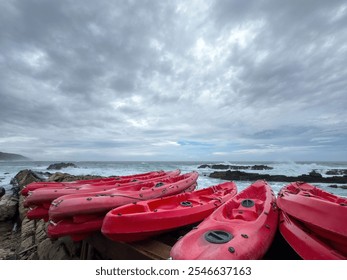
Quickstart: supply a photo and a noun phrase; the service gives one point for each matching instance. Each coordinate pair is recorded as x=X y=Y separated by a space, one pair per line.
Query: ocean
x=8 y=169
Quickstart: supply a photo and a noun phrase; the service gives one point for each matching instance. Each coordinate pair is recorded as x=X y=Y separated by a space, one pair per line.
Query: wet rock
x=61 y=165
x=236 y=167
x=314 y=173
x=261 y=167
x=337 y=172
x=312 y=177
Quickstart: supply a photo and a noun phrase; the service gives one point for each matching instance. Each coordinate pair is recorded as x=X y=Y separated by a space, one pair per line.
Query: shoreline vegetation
x=21 y=238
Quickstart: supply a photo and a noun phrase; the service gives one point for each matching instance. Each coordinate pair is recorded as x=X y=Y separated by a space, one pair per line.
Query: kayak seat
x=244 y=214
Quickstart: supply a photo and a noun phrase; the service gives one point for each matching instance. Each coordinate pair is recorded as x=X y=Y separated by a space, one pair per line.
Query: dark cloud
x=173 y=79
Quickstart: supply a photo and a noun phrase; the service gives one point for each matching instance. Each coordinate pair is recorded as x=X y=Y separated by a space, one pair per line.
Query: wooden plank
x=154 y=249
x=144 y=250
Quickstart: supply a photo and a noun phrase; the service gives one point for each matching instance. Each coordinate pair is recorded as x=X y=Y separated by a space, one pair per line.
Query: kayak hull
x=320 y=213
x=43 y=195
x=242 y=228
x=102 y=202
x=78 y=227
x=76 y=184
x=305 y=242
x=139 y=221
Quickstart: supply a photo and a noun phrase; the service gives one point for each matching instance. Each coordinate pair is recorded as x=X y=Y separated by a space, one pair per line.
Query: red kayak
x=320 y=211
x=47 y=195
x=76 y=230
x=76 y=184
x=243 y=228
x=133 y=222
x=79 y=227
x=305 y=242
x=102 y=202
x=41 y=211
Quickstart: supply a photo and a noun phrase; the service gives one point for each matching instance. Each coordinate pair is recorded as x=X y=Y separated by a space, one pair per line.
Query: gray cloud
x=220 y=80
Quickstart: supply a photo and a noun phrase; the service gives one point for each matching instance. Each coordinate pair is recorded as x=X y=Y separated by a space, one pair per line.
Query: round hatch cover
x=218 y=236
x=247 y=203
x=186 y=203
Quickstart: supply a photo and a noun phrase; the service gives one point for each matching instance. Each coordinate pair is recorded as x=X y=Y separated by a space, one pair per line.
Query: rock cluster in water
x=236 y=167
x=61 y=165
x=312 y=177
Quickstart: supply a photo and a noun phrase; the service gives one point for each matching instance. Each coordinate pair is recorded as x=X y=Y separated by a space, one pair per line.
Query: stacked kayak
x=242 y=228
x=138 y=221
x=39 y=200
x=79 y=215
x=313 y=221
x=76 y=184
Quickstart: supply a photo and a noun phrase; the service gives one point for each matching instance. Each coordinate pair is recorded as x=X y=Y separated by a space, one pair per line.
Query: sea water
x=8 y=169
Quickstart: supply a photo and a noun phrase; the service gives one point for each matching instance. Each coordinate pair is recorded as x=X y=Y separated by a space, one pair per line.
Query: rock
x=204 y=166
x=8 y=207
x=65 y=177
x=314 y=173
x=235 y=167
x=25 y=177
x=312 y=177
x=55 y=250
x=27 y=238
x=220 y=166
x=337 y=172
x=5 y=254
x=2 y=191
x=61 y=165
x=261 y=167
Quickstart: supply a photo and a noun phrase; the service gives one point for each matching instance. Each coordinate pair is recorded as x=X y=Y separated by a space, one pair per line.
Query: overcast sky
x=174 y=80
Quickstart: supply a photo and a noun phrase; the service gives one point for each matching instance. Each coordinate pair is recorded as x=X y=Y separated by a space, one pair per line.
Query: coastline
x=22 y=238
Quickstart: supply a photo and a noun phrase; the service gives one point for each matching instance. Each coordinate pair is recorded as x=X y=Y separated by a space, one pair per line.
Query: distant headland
x=8 y=156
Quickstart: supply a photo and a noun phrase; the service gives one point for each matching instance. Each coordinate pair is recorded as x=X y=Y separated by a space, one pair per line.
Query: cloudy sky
x=174 y=80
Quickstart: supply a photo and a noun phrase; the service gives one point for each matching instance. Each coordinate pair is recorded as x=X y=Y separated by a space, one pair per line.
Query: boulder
x=65 y=177
x=8 y=207
x=261 y=167
x=61 y=165
x=25 y=177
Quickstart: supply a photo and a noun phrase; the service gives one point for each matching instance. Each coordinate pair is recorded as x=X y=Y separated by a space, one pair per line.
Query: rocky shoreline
x=233 y=173
x=24 y=239
x=312 y=177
